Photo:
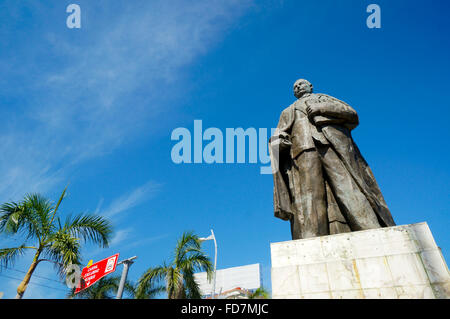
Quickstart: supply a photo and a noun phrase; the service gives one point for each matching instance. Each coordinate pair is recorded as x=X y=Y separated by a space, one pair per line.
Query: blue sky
x=96 y=107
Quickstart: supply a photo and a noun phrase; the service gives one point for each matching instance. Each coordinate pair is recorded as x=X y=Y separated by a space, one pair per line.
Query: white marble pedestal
x=393 y=262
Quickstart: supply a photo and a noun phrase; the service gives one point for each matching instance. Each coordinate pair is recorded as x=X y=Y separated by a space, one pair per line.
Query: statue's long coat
x=339 y=136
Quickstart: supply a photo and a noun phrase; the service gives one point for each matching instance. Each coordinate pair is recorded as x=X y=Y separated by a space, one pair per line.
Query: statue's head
x=301 y=87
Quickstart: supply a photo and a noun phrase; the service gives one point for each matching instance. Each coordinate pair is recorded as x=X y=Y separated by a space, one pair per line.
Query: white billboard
x=247 y=277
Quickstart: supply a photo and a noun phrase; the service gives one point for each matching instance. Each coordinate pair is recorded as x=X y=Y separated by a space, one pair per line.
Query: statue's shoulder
x=328 y=98
x=300 y=104
x=289 y=109
x=308 y=98
x=325 y=97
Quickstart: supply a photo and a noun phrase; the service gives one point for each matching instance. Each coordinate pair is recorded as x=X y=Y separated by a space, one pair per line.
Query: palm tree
x=35 y=218
x=147 y=290
x=259 y=293
x=105 y=288
x=179 y=274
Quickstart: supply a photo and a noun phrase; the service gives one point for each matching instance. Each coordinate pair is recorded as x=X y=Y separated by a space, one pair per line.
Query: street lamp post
x=213 y=237
x=215 y=266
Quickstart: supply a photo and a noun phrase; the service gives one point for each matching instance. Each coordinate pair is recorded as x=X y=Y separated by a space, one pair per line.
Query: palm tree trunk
x=24 y=284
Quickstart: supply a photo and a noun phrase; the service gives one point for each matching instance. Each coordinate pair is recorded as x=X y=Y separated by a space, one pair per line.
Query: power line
x=37 y=276
x=34 y=283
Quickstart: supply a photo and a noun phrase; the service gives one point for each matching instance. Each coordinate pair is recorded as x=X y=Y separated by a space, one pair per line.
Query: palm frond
x=187 y=242
x=9 y=217
x=90 y=228
x=178 y=275
x=55 y=210
x=149 y=284
x=129 y=289
x=18 y=218
x=194 y=262
x=63 y=249
x=259 y=293
x=174 y=283
x=105 y=288
x=152 y=292
x=40 y=208
x=9 y=255
x=151 y=278
x=192 y=287
x=197 y=261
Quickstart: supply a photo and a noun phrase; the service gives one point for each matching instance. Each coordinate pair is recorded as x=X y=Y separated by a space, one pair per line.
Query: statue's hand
x=281 y=140
x=312 y=109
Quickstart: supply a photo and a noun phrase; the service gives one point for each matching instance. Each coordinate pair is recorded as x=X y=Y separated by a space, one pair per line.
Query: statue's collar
x=304 y=96
x=299 y=104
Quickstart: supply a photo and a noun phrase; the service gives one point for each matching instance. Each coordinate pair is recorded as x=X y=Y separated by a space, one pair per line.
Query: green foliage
x=8 y=255
x=105 y=288
x=178 y=276
x=259 y=293
x=35 y=218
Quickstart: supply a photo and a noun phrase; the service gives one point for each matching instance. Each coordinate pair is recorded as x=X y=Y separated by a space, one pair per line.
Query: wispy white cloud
x=131 y=199
x=126 y=238
x=104 y=88
x=118 y=208
x=146 y=241
x=120 y=236
x=99 y=206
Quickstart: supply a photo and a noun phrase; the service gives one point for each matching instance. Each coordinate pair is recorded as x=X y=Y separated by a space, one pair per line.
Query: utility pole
x=126 y=264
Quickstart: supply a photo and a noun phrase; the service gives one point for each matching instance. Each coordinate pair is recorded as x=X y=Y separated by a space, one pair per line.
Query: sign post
x=126 y=263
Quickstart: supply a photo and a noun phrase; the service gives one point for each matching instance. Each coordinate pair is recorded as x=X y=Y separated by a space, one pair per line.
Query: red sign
x=93 y=273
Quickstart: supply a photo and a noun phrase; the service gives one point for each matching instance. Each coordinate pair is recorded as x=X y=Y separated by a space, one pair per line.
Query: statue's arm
x=339 y=110
x=281 y=137
x=336 y=109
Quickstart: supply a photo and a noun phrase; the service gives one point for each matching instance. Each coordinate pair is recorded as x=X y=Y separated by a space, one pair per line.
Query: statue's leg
x=353 y=203
x=309 y=204
x=336 y=221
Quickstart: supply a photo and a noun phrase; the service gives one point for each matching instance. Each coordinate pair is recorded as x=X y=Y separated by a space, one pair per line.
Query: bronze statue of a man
x=322 y=184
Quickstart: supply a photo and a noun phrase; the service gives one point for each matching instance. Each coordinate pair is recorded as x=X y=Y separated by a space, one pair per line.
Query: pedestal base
x=393 y=262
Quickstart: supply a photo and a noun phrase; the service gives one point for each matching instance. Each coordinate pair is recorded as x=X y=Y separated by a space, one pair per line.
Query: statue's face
x=302 y=87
